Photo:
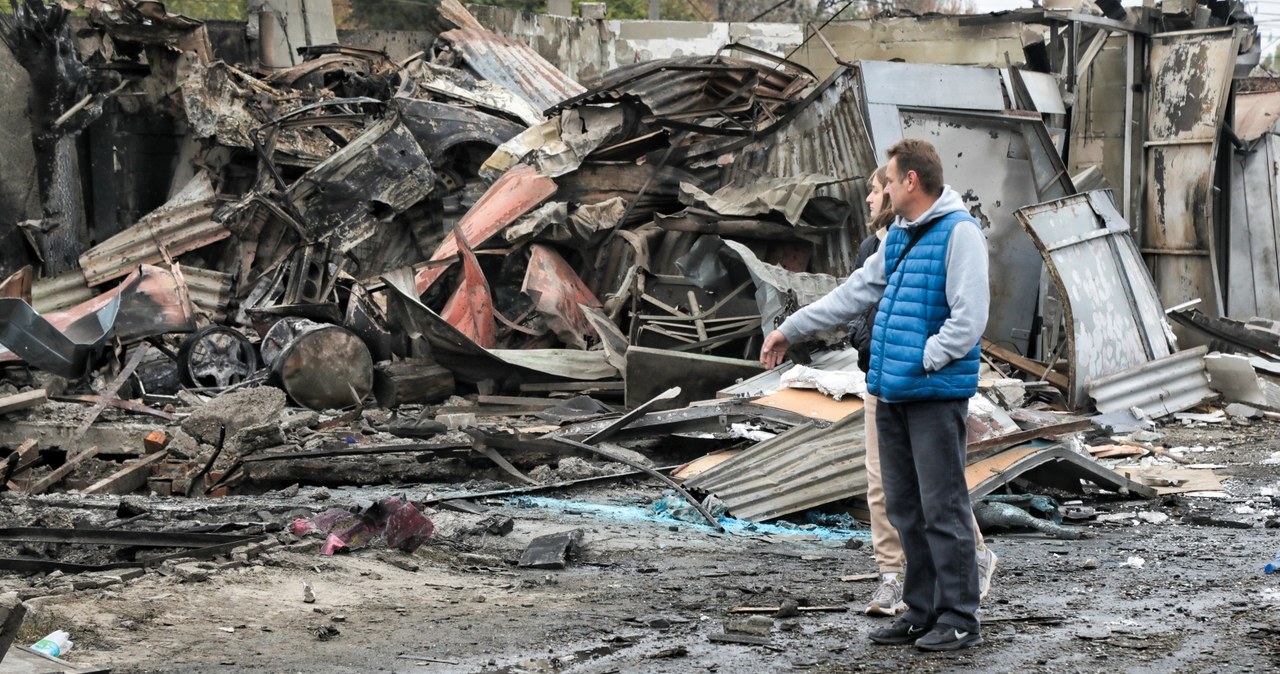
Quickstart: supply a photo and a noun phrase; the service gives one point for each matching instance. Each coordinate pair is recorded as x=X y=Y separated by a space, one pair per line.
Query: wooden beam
x=22 y=401
x=62 y=471
x=111 y=391
x=1024 y=364
x=14 y=460
x=126 y=479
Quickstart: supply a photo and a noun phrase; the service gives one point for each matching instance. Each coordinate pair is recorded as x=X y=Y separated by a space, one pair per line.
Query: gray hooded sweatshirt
x=967 y=290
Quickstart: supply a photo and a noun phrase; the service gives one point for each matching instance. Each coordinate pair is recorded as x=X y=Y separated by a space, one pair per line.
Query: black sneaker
x=898 y=632
x=948 y=638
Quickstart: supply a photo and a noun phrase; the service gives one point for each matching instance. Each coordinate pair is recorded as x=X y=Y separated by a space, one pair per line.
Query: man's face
x=896 y=185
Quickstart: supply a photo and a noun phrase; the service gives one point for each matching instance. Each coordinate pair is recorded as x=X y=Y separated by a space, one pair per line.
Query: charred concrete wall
x=19 y=195
x=584 y=48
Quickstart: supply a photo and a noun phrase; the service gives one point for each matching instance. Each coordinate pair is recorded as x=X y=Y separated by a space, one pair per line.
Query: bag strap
x=915 y=237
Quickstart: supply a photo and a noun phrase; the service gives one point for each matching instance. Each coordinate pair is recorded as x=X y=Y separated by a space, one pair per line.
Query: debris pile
x=367 y=271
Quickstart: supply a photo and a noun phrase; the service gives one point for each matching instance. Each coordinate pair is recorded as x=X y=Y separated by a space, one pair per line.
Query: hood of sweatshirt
x=948 y=202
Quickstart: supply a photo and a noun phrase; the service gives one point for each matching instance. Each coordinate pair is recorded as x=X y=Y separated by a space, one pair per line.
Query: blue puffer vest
x=913 y=309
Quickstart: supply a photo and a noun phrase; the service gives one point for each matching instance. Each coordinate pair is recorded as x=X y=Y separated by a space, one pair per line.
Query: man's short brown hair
x=920 y=156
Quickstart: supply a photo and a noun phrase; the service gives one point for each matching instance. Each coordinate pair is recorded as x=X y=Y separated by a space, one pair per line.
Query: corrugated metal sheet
x=1190 y=75
x=825 y=134
x=210 y=291
x=1158 y=388
x=718 y=95
x=54 y=293
x=1253 y=238
x=513 y=65
x=182 y=224
x=998 y=163
x=1113 y=316
x=802 y=468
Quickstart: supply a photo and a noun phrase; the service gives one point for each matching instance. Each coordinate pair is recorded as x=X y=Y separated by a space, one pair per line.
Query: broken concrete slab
x=221 y=418
x=552 y=550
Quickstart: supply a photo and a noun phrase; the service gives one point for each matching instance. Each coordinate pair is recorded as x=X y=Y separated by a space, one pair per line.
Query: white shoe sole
x=873 y=609
x=985 y=583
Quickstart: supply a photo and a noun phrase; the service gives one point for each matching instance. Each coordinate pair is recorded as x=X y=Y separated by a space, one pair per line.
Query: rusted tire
x=216 y=357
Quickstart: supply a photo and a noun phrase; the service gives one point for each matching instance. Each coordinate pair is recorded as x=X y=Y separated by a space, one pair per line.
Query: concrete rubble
x=326 y=269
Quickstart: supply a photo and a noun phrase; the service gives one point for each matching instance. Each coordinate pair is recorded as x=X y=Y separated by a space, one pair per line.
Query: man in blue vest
x=929 y=279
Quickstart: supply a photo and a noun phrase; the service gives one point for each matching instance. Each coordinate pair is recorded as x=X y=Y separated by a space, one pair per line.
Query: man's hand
x=774 y=349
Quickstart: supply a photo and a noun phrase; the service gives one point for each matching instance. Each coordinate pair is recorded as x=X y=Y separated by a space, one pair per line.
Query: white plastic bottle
x=55 y=644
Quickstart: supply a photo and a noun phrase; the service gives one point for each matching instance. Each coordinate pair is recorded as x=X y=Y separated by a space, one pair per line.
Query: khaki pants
x=885 y=543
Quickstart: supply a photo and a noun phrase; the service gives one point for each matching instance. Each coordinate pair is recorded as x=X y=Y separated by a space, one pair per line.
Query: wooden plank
x=126 y=479
x=22 y=401
x=811 y=403
x=13 y=463
x=1024 y=364
x=411 y=382
x=702 y=464
x=60 y=472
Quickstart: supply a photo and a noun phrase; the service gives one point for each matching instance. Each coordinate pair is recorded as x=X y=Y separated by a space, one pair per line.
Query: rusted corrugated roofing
x=513 y=65
x=826 y=134
x=721 y=94
x=803 y=468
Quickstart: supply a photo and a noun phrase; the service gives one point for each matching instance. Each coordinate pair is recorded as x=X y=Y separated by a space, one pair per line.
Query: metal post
x=655 y=10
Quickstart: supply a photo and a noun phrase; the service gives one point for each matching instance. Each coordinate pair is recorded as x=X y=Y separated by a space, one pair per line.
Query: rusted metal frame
x=650 y=471
x=112 y=391
x=261 y=149
x=1133 y=211
x=796 y=69
x=746 y=330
